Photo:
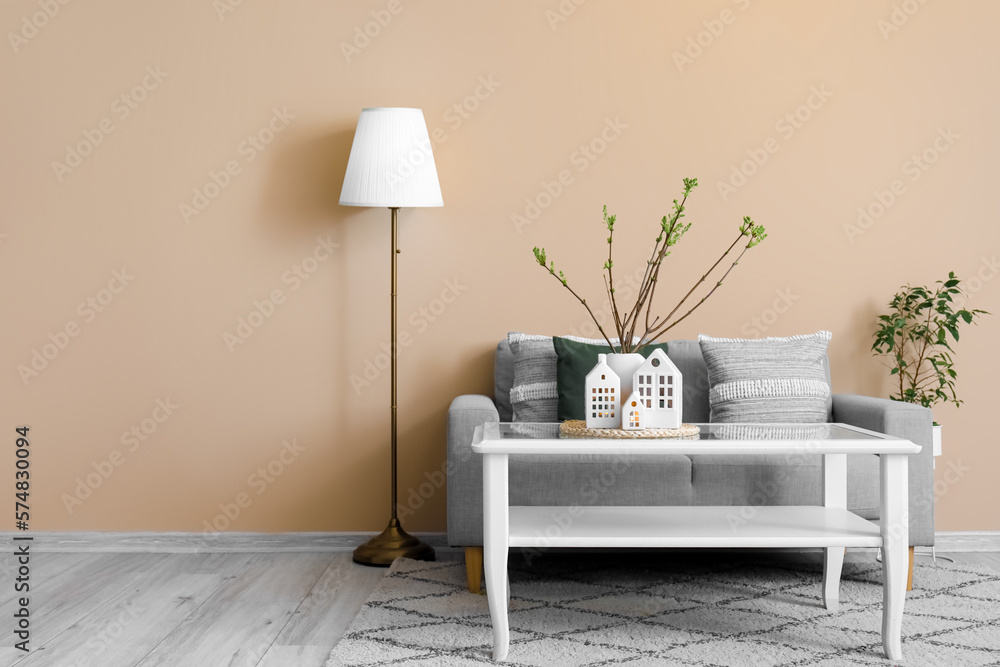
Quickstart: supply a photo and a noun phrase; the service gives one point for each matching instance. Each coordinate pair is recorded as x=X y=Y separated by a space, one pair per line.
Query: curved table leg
x=895 y=543
x=834 y=495
x=833 y=564
x=495 y=546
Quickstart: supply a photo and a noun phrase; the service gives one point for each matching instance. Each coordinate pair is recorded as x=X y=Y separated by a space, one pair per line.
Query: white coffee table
x=830 y=526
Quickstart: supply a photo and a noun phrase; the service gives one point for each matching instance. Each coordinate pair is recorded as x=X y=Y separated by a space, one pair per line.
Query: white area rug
x=575 y=609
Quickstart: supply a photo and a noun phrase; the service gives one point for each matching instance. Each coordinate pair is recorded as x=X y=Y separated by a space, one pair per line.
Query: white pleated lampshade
x=391 y=161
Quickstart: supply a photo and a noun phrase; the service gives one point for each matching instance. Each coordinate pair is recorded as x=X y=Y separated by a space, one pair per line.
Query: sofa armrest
x=465 y=469
x=910 y=422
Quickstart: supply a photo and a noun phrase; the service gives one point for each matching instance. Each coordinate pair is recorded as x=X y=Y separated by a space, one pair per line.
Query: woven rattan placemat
x=577 y=428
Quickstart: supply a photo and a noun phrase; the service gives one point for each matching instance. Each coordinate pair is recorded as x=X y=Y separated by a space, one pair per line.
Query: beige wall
x=554 y=85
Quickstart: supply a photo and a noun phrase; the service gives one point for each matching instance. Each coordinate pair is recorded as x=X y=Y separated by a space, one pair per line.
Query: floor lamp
x=391 y=165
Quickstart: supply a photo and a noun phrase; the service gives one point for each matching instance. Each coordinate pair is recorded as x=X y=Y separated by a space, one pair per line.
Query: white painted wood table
x=830 y=526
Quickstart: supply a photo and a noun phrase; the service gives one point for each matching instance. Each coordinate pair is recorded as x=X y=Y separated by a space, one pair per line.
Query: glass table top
x=528 y=431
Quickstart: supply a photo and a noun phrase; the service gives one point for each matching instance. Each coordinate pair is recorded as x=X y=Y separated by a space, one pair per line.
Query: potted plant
x=912 y=340
x=640 y=318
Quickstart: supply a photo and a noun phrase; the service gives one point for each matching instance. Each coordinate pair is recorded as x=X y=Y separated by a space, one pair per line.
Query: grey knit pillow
x=534 y=396
x=776 y=380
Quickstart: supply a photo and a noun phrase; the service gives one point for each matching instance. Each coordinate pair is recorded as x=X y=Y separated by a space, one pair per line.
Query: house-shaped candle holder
x=655 y=401
x=603 y=388
x=660 y=387
x=634 y=413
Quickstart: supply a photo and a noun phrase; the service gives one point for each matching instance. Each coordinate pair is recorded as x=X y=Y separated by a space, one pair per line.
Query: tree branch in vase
x=671 y=232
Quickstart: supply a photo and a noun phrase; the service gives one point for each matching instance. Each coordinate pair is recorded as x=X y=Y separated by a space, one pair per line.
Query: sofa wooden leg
x=474 y=568
x=909 y=574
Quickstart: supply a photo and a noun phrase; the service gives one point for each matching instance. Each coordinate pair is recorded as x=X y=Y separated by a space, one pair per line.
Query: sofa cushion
x=503 y=380
x=686 y=355
x=807 y=432
x=748 y=480
x=574 y=361
x=533 y=393
x=533 y=396
x=768 y=379
x=600 y=480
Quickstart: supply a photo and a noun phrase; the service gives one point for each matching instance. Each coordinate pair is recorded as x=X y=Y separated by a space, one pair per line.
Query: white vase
x=625 y=366
x=936 y=441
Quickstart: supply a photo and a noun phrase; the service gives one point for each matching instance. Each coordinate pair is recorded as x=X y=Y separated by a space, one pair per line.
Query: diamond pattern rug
x=644 y=610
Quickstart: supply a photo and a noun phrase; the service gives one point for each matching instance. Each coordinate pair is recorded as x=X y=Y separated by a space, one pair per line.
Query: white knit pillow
x=768 y=380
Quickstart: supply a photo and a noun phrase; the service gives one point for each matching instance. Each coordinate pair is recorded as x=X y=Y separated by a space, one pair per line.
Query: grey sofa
x=678 y=480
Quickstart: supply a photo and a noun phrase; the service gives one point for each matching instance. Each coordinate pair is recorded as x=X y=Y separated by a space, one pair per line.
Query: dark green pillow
x=574 y=361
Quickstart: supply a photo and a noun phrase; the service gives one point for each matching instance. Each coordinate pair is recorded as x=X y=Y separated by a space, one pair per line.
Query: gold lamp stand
x=393 y=542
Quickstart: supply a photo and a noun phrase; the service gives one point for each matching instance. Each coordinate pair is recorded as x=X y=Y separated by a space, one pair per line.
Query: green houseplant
x=627 y=322
x=912 y=341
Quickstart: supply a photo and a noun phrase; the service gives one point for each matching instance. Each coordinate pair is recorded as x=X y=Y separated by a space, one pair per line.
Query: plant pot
x=624 y=366
x=937 y=439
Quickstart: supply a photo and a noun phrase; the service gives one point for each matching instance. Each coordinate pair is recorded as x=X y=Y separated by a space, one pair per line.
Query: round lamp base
x=390 y=544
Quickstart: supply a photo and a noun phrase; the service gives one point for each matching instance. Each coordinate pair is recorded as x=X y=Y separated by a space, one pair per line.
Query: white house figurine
x=633 y=413
x=658 y=385
x=603 y=387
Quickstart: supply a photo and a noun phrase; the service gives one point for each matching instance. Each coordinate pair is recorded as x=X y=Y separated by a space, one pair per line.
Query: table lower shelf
x=689 y=526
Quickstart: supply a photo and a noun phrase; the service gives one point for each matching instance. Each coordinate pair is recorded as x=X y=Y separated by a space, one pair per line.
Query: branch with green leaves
x=912 y=340
x=670 y=233
x=540 y=258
